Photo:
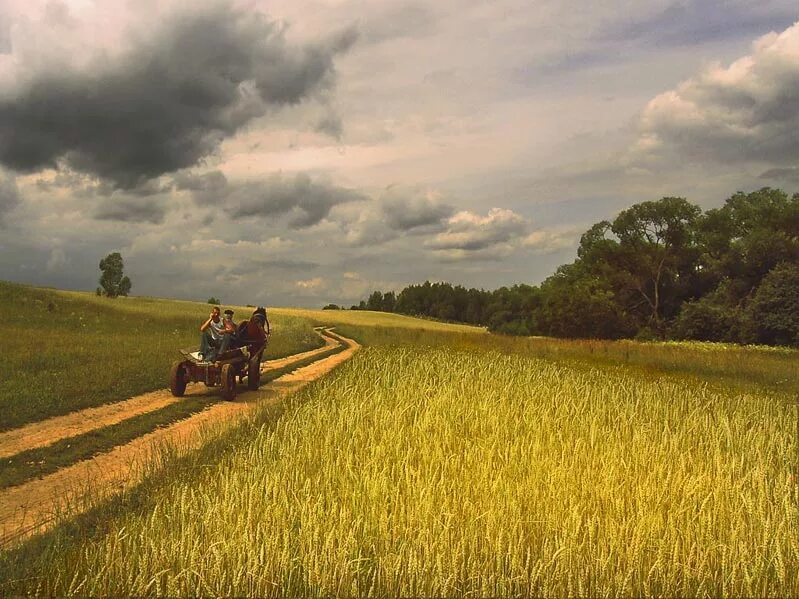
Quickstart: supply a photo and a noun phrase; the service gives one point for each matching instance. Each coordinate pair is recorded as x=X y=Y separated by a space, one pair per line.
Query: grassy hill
x=64 y=350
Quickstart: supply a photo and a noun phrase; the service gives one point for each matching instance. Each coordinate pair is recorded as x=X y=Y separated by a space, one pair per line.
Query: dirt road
x=40 y=434
x=34 y=506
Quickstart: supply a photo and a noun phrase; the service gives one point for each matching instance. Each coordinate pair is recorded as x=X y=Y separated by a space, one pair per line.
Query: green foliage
x=578 y=304
x=660 y=268
x=332 y=307
x=112 y=281
x=707 y=320
x=380 y=302
x=214 y=301
x=774 y=310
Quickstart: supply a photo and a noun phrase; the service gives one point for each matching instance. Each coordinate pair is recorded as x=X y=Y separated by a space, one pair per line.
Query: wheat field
x=444 y=472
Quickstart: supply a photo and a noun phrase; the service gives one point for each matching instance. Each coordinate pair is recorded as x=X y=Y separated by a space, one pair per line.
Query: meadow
x=464 y=464
x=64 y=351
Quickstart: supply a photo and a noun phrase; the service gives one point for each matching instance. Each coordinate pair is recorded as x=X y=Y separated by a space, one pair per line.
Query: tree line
x=660 y=270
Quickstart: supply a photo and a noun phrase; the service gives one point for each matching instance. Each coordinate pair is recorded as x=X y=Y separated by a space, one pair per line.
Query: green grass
x=36 y=463
x=452 y=472
x=65 y=351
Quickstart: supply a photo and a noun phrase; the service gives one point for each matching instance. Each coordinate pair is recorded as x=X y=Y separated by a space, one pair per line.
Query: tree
x=112 y=280
x=214 y=301
x=710 y=318
x=577 y=304
x=375 y=301
x=774 y=310
x=646 y=258
x=389 y=301
x=332 y=307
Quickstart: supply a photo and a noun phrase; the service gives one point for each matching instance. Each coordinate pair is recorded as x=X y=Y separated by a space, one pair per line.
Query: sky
x=298 y=153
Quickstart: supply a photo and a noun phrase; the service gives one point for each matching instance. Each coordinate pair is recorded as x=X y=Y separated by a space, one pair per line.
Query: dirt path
x=45 y=432
x=33 y=507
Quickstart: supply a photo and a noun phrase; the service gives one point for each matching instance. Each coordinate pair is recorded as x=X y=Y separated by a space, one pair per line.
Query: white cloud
x=315 y=284
x=547 y=241
x=467 y=231
x=745 y=112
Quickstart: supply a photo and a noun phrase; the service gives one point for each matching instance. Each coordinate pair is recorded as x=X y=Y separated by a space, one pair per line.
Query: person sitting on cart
x=229 y=333
x=215 y=334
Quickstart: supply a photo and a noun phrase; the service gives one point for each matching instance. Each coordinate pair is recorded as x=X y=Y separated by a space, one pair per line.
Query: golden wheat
x=430 y=472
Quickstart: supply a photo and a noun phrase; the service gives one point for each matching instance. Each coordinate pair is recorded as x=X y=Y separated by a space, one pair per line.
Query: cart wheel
x=254 y=373
x=177 y=379
x=228 y=382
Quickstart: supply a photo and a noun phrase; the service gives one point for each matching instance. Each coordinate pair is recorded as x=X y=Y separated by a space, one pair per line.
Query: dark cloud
x=789 y=174
x=399 y=210
x=132 y=209
x=691 y=22
x=255 y=266
x=330 y=125
x=305 y=202
x=9 y=195
x=404 y=212
x=746 y=112
x=167 y=103
x=209 y=183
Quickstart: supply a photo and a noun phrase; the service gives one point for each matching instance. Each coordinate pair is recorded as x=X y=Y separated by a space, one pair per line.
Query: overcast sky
x=298 y=152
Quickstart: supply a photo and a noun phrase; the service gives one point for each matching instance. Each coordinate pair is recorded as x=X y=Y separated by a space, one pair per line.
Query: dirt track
x=40 y=434
x=33 y=506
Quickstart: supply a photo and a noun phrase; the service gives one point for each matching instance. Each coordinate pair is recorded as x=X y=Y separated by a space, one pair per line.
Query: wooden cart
x=243 y=362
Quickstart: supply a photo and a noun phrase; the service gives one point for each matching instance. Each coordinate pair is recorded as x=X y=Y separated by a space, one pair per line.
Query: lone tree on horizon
x=112 y=281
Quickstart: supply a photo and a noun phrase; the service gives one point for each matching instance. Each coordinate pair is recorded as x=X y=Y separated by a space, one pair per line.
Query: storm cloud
x=132 y=210
x=748 y=111
x=9 y=195
x=250 y=267
x=166 y=102
x=403 y=211
x=398 y=210
x=303 y=201
x=789 y=174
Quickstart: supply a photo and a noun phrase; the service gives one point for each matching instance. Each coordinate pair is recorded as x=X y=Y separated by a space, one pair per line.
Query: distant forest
x=660 y=270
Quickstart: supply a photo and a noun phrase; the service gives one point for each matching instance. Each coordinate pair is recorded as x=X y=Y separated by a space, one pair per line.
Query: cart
x=243 y=362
